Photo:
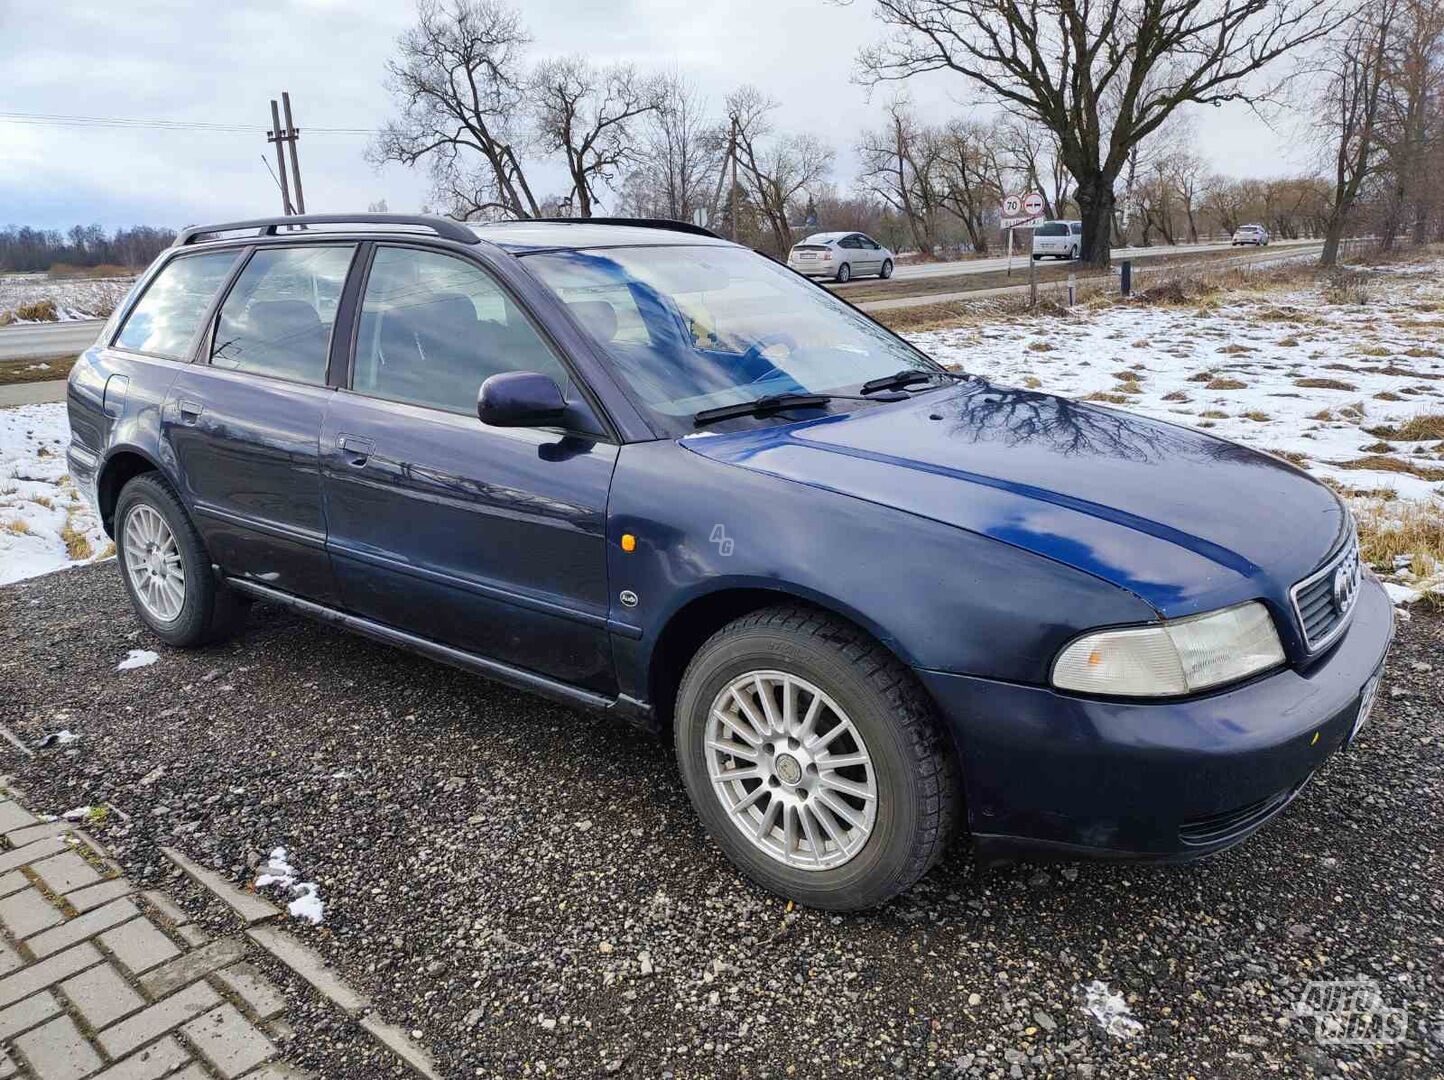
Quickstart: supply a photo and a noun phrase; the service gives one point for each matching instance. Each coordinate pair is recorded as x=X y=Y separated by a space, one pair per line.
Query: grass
x=1225 y=384
x=1315 y=383
x=1104 y=396
x=1041 y=346
x=77 y=546
x=1389 y=529
x=1422 y=428
x=1293 y=457
x=1176 y=395
x=17 y=527
x=1384 y=463
x=1214 y=414
x=1289 y=343
x=35 y=370
x=1258 y=416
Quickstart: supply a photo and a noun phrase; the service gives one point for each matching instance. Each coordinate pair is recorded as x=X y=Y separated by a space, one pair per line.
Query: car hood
x=1182 y=519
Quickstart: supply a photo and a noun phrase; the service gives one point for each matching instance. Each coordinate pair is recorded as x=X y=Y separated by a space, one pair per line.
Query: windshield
x=694 y=328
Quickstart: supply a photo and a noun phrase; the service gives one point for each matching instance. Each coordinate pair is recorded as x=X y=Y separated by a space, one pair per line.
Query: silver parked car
x=1062 y=239
x=1251 y=234
x=841 y=256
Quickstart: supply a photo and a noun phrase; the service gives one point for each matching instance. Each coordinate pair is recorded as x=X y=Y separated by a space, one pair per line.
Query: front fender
x=939 y=597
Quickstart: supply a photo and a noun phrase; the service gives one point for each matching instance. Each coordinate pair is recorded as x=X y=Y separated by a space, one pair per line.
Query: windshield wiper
x=762 y=406
x=908 y=377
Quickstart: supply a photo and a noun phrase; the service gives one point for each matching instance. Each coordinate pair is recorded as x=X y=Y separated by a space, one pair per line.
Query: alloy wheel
x=791 y=770
x=153 y=563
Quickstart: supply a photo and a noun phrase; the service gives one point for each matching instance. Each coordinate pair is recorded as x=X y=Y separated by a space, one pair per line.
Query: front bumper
x=1045 y=771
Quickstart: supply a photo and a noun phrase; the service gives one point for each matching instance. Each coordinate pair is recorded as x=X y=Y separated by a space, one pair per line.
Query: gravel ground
x=526 y=888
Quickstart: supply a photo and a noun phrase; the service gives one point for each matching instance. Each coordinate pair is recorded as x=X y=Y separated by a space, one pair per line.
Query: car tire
x=185 y=609
x=1073 y=255
x=844 y=273
x=888 y=721
x=886 y=271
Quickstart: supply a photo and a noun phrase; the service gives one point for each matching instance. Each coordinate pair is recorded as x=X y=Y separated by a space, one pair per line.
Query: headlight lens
x=1179 y=657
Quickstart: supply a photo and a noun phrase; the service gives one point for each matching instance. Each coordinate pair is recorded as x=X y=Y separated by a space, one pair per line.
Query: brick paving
x=99 y=981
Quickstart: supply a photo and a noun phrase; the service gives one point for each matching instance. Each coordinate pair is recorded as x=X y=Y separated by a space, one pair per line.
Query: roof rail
x=635 y=222
x=443 y=227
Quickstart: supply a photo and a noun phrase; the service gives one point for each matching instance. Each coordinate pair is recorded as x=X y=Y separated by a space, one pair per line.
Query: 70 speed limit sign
x=1012 y=205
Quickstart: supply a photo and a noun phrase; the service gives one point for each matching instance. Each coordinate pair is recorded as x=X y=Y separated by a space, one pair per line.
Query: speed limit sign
x=1012 y=205
x=1033 y=204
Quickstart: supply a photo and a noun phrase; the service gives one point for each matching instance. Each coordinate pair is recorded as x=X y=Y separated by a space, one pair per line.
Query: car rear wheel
x=886 y=271
x=814 y=760
x=166 y=569
x=844 y=273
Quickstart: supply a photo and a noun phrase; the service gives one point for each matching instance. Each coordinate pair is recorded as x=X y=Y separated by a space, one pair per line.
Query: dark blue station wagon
x=641 y=470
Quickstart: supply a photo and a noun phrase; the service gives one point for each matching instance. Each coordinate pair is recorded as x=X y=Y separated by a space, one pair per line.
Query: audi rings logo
x=1346 y=582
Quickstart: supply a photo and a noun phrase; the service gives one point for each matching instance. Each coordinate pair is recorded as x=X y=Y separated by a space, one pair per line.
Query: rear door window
x=433 y=328
x=277 y=319
x=169 y=313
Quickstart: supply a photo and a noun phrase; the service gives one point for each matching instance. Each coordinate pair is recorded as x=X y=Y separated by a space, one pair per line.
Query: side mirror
x=520 y=399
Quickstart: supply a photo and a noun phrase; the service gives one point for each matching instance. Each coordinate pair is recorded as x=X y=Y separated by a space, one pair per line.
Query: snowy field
x=44 y=523
x=74 y=298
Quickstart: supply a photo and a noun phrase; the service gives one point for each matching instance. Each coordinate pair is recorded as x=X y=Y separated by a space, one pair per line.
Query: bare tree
x=970 y=180
x=899 y=163
x=459 y=87
x=1189 y=176
x=1412 y=117
x=774 y=169
x=1101 y=74
x=681 y=154
x=590 y=117
x=1031 y=151
x=1353 y=71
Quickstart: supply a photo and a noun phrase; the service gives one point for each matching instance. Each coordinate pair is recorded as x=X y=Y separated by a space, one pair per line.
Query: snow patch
x=1110 y=1010
x=45 y=523
x=305 y=902
x=137 y=658
x=57 y=738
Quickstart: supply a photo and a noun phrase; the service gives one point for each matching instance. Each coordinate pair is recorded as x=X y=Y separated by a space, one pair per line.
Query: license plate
x=1366 y=703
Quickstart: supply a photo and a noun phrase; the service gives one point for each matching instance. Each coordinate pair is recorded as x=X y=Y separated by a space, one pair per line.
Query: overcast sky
x=221 y=62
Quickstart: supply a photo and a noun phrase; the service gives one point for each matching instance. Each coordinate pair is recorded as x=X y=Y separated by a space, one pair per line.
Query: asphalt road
x=526 y=889
x=961 y=268
x=48 y=339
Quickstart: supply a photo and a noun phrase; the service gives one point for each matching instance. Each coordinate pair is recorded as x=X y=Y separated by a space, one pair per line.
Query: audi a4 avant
x=874 y=602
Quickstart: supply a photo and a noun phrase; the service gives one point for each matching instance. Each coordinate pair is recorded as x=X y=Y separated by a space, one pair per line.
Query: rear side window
x=277 y=319
x=166 y=319
x=434 y=328
x=1076 y=228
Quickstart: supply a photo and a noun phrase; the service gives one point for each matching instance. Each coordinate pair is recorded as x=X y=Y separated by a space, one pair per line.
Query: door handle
x=356 y=449
x=190 y=411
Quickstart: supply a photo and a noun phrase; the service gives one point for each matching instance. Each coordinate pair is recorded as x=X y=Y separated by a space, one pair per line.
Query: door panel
x=245 y=421
x=248 y=451
x=489 y=541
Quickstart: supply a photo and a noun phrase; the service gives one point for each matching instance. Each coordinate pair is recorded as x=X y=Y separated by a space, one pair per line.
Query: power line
x=159 y=124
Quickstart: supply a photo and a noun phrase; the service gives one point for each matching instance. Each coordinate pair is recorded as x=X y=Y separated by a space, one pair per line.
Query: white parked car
x=1061 y=239
x=1251 y=234
x=841 y=256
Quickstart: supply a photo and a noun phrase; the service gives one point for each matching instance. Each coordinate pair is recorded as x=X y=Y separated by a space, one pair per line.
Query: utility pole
x=277 y=136
x=288 y=136
x=292 y=137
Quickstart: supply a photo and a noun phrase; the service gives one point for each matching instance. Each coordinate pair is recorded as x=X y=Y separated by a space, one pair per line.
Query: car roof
x=520 y=237
x=825 y=236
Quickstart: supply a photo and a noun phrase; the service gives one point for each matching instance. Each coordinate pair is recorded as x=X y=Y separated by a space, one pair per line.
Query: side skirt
x=630 y=710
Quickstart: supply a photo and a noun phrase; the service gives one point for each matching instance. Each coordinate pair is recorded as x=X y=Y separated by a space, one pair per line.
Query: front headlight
x=1183 y=656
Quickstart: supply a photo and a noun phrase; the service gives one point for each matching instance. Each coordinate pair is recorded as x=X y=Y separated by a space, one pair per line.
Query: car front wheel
x=886 y=271
x=166 y=569
x=814 y=760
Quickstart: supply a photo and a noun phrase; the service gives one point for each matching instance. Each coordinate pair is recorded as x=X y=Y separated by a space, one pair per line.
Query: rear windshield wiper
x=762 y=406
x=907 y=377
